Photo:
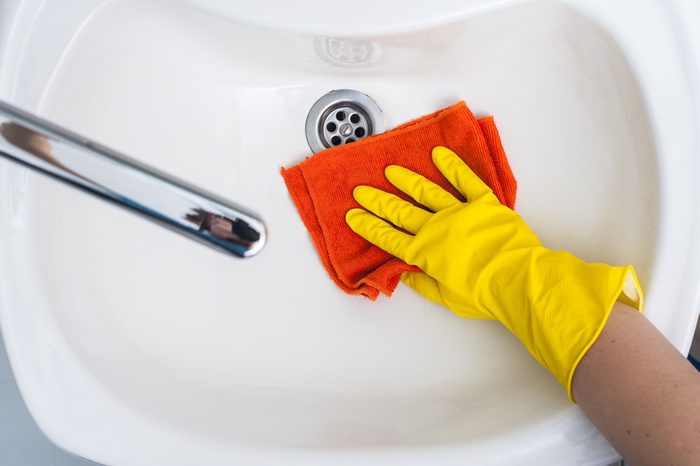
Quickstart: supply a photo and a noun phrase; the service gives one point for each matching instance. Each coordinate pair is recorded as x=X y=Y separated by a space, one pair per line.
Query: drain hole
x=341 y=117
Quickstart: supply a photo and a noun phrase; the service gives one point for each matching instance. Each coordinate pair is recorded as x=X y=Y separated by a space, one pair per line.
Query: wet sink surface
x=266 y=353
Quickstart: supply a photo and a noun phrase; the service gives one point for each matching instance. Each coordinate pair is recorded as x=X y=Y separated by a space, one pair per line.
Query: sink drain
x=341 y=117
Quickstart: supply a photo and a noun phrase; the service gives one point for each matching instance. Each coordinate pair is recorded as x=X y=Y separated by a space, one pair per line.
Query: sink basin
x=133 y=346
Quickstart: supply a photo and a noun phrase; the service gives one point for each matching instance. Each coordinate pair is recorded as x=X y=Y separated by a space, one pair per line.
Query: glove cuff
x=628 y=291
x=556 y=304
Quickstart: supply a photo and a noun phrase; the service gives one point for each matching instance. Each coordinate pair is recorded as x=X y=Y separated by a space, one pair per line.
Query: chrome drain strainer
x=341 y=117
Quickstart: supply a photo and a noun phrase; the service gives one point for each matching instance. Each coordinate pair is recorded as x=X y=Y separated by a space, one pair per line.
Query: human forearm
x=640 y=392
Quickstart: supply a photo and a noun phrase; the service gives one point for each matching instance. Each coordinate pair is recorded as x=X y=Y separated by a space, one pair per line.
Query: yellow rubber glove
x=481 y=260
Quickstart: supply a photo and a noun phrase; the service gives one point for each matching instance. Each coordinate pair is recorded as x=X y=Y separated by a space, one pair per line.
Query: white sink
x=132 y=345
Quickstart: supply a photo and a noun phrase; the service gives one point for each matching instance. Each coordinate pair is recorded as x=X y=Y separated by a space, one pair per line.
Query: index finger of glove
x=379 y=232
x=420 y=188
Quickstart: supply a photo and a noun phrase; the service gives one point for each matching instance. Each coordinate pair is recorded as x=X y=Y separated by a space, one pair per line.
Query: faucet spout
x=116 y=178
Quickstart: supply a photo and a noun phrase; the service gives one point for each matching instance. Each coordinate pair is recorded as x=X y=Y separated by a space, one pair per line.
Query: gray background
x=21 y=442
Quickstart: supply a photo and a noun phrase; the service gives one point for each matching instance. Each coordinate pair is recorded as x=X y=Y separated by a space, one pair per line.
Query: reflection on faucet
x=28 y=140
x=238 y=230
x=33 y=143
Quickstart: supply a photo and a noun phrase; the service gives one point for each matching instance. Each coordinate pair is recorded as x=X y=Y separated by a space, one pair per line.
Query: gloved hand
x=481 y=260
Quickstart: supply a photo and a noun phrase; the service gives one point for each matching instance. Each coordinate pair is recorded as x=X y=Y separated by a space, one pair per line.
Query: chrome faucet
x=114 y=177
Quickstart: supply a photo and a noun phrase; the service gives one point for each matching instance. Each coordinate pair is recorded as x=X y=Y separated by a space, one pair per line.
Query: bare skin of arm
x=640 y=392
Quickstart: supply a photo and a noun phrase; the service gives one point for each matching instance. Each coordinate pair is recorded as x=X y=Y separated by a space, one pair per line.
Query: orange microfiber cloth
x=321 y=187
